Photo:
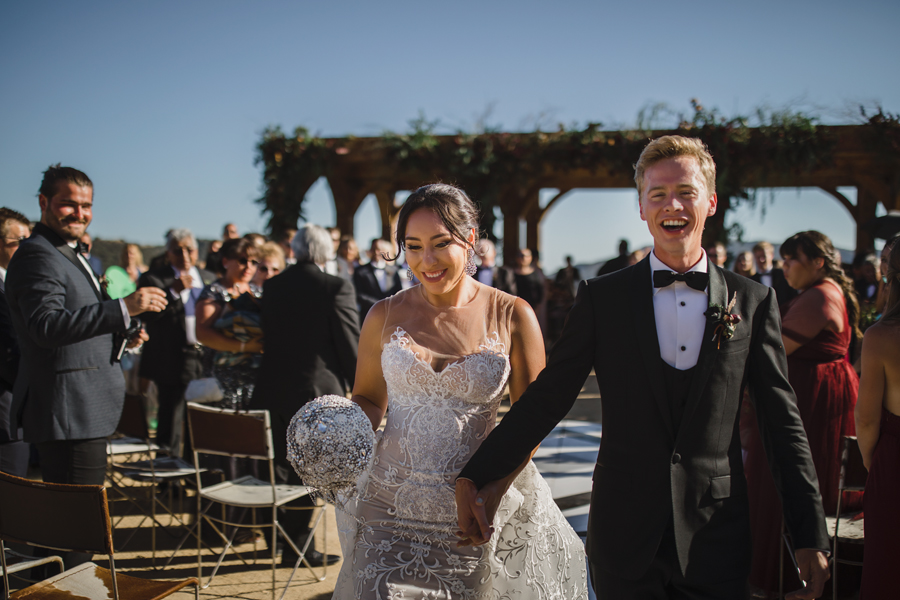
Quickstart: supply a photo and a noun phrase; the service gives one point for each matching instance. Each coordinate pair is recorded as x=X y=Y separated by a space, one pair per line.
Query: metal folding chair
x=846 y=528
x=243 y=434
x=145 y=475
x=70 y=518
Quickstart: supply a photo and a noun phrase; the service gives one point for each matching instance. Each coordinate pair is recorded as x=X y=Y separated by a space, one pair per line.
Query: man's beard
x=61 y=227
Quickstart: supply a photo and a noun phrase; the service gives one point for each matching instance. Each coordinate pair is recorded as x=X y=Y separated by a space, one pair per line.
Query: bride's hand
x=476 y=509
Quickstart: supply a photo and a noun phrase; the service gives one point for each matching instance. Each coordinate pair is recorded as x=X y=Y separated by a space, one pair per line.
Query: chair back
x=55 y=515
x=229 y=432
x=133 y=422
x=853 y=471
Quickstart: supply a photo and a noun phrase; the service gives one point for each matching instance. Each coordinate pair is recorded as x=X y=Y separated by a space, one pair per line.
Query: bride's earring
x=409 y=274
x=470 y=264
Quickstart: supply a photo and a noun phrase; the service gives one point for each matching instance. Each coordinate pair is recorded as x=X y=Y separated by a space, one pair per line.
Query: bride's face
x=436 y=258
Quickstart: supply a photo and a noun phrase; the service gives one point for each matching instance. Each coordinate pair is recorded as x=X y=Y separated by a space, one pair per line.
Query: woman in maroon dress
x=818 y=327
x=878 y=430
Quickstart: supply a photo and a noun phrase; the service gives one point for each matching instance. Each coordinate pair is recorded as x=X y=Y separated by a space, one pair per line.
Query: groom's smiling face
x=675 y=203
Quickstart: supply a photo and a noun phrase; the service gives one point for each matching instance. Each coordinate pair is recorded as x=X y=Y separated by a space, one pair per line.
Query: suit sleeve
x=359 y=282
x=148 y=279
x=546 y=401
x=345 y=330
x=41 y=299
x=783 y=433
x=9 y=348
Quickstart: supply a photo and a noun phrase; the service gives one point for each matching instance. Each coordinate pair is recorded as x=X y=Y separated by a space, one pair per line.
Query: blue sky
x=162 y=103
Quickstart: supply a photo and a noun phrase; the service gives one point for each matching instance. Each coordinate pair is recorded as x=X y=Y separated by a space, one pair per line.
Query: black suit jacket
x=784 y=292
x=310 y=334
x=163 y=357
x=368 y=292
x=9 y=367
x=649 y=473
x=501 y=278
x=69 y=386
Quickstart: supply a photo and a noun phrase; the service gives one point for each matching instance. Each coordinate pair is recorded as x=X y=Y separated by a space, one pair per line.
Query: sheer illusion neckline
x=492 y=347
x=449 y=307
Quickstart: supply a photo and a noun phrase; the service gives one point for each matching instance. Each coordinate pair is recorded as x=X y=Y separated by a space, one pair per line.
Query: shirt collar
x=702 y=266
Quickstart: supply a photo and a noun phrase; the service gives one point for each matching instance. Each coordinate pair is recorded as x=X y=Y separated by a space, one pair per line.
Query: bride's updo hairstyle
x=454 y=208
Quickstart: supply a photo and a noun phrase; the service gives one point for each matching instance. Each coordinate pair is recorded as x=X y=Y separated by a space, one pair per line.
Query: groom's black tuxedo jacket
x=649 y=472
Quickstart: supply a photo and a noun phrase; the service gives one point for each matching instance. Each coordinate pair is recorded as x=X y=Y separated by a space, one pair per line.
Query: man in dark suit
x=674 y=340
x=377 y=279
x=489 y=273
x=311 y=332
x=172 y=357
x=14 y=228
x=767 y=274
x=69 y=390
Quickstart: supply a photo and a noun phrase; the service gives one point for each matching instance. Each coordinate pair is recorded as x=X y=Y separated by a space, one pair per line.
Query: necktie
x=694 y=279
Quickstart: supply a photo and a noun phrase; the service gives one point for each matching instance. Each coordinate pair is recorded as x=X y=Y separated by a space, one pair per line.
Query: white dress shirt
x=190 y=320
x=74 y=246
x=766 y=278
x=680 y=319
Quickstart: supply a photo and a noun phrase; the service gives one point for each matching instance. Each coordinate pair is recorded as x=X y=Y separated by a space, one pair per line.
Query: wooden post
x=348 y=195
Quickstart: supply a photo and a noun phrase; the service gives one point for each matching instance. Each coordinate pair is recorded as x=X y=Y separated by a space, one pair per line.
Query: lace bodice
x=445 y=371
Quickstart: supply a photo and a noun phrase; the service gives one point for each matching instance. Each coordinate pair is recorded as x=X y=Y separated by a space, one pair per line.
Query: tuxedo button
x=682 y=302
x=676 y=458
x=683 y=348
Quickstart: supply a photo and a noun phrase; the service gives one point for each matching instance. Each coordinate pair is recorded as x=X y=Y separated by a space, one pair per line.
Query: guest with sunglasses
x=228 y=322
x=271 y=263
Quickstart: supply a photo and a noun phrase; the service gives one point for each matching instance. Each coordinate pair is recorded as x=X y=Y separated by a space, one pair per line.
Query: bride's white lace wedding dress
x=446 y=369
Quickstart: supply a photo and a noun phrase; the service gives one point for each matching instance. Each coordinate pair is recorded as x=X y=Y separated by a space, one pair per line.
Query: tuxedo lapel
x=69 y=253
x=644 y=321
x=709 y=350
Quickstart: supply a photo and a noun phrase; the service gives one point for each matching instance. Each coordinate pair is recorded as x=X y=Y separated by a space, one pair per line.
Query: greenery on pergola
x=490 y=164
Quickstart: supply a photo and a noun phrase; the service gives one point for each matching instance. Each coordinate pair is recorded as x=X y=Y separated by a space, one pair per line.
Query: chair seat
x=251 y=492
x=129 y=445
x=162 y=468
x=849 y=531
x=95 y=583
x=16 y=562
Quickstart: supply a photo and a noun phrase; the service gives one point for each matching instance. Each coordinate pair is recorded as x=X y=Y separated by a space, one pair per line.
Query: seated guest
x=377 y=279
x=878 y=432
x=172 y=357
x=271 y=263
x=768 y=274
x=489 y=272
x=817 y=329
x=14 y=227
x=743 y=264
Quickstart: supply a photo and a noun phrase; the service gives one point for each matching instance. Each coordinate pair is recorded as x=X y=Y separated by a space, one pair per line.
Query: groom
x=673 y=340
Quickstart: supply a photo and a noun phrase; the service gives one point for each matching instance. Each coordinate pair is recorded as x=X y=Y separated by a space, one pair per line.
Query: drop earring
x=470 y=264
x=409 y=274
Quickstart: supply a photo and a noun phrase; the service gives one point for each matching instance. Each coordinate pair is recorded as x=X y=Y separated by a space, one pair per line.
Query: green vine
x=491 y=164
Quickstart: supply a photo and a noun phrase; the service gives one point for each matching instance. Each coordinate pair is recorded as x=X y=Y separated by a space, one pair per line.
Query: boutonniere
x=725 y=320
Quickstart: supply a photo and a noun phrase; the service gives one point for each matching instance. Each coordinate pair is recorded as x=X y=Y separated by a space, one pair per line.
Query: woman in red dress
x=818 y=327
x=878 y=431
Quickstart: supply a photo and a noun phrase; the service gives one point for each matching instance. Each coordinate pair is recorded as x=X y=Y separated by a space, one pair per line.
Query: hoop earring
x=470 y=264
x=409 y=274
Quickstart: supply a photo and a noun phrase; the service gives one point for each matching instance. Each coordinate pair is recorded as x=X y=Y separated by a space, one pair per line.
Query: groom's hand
x=475 y=529
x=813 y=565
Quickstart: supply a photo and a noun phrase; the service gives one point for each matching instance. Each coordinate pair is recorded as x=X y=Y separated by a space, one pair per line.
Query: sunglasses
x=266 y=269
x=248 y=261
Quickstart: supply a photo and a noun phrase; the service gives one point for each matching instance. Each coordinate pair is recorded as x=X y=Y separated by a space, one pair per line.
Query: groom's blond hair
x=673 y=146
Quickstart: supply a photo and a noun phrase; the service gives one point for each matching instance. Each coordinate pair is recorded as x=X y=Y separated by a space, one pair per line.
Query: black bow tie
x=694 y=279
x=82 y=248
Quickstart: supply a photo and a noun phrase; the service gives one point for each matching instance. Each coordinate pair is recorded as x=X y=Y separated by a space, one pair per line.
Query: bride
x=440 y=355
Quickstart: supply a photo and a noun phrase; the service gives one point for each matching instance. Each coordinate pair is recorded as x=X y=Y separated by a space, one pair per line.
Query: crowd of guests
x=213 y=324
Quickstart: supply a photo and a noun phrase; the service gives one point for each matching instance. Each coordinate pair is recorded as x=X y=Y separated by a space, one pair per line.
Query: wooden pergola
x=358 y=167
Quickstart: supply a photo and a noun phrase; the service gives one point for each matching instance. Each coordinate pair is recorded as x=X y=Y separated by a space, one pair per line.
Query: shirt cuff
x=125 y=316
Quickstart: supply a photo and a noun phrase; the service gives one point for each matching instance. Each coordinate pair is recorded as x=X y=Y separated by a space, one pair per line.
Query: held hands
x=475 y=510
x=147 y=299
x=813 y=565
